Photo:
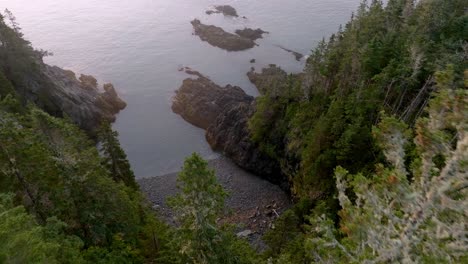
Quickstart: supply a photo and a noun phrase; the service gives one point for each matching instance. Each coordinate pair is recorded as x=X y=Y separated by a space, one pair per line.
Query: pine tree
x=114 y=157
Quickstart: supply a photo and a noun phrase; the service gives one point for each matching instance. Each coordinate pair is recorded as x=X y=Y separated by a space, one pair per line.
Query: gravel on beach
x=253 y=203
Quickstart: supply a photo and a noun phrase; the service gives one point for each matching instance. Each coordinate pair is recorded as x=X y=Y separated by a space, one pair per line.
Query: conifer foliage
x=395 y=218
x=114 y=157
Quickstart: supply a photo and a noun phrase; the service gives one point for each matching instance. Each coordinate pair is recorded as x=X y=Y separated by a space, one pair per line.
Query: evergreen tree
x=402 y=215
x=114 y=157
x=198 y=205
x=22 y=240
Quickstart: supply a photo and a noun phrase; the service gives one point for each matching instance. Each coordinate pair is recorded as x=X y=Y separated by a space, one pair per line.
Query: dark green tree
x=114 y=157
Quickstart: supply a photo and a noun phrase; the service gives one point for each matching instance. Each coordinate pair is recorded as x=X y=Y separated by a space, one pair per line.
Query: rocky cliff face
x=224 y=113
x=81 y=99
x=200 y=101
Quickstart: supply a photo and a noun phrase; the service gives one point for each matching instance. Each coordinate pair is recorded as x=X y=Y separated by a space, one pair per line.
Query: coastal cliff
x=224 y=113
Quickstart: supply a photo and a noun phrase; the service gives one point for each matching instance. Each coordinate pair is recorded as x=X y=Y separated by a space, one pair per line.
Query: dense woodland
x=372 y=137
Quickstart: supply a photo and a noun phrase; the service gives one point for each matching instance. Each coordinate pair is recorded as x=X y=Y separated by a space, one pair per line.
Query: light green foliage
x=393 y=219
x=22 y=240
x=198 y=205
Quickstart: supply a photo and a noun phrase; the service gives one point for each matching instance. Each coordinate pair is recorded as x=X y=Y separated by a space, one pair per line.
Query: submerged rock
x=224 y=113
x=296 y=54
x=226 y=10
x=252 y=34
x=217 y=37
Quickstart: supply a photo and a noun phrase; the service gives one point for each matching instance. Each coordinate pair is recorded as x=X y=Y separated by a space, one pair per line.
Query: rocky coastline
x=224 y=113
x=252 y=205
x=80 y=99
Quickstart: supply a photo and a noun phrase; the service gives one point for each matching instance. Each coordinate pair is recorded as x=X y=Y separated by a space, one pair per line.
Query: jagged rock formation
x=217 y=37
x=200 y=101
x=80 y=99
x=252 y=34
x=226 y=10
x=224 y=113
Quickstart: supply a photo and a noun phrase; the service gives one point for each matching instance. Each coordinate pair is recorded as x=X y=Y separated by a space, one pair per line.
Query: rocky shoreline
x=224 y=113
x=81 y=99
x=252 y=206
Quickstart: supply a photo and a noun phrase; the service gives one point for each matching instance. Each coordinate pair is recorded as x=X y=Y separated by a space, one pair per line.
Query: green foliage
x=198 y=205
x=56 y=171
x=114 y=157
x=393 y=219
x=22 y=240
x=385 y=58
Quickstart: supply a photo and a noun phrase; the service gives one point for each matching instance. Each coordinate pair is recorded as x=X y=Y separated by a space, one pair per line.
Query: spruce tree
x=198 y=206
x=114 y=157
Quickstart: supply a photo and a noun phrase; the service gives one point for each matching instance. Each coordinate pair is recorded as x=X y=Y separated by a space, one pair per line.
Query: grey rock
x=81 y=99
x=226 y=10
x=217 y=37
x=245 y=233
x=296 y=54
x=224 y=113
x=252 y=34
x=200 y=101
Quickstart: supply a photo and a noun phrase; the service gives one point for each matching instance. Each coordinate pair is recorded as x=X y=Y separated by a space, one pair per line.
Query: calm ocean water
x=138 y=45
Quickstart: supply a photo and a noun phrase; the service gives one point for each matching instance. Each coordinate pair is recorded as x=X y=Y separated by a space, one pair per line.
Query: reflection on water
x=138 y=45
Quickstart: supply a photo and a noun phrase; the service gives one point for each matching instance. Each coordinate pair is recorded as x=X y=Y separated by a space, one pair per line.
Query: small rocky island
x=226 y=10
x=252 y=34
x=224 y=113
x=243 y=39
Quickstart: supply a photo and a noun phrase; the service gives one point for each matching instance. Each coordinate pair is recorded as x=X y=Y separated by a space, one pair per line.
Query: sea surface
x=138 y=45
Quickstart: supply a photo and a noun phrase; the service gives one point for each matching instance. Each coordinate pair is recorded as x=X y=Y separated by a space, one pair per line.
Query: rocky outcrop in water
x=252 y=34
x=226 y=10
x=296 y=54
x=80 y=99
x=217 y=37
x=224 y=113
x=200 y=101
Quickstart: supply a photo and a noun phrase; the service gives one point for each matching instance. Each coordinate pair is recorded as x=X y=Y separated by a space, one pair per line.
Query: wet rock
x=226 y=10
x=252 y=34
x=217 y=37
x=296 y=54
